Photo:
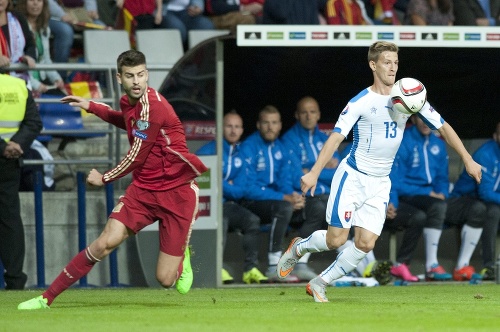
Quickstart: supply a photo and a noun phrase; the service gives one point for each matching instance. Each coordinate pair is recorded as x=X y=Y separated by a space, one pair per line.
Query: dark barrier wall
x=463 y=83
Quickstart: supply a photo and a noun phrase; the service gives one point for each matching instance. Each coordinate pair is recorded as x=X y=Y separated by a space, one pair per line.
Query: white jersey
x=377 y=131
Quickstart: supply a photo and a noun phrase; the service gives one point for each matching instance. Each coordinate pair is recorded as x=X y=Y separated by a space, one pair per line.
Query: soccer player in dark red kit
x=162 y=188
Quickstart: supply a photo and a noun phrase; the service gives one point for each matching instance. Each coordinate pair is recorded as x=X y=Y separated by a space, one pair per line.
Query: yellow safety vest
x=13 y=96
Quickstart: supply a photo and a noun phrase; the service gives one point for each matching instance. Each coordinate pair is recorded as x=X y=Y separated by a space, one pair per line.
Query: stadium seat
x=161 y=47
x=104 y=46
x=197 y=36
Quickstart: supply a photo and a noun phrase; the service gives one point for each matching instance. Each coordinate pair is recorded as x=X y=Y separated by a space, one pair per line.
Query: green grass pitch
x=430 y=307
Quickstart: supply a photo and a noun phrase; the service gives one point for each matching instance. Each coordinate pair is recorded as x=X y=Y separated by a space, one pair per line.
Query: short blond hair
x=379 y=47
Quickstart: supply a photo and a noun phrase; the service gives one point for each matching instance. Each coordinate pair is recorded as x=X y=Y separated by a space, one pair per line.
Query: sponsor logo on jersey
x=385 y=35
x=319 y=35
x=139 y=134
x=429 y=36
x=347 y=216
x=472 y=36
x=407 y=36
x=275 y=35
x=253 y=35
x=342 y=35
x=142 y=125
x=297 y=35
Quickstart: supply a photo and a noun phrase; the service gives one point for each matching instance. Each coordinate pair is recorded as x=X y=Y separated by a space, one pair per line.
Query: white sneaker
x=317 y=289
x=288 y=259
x=273 y=276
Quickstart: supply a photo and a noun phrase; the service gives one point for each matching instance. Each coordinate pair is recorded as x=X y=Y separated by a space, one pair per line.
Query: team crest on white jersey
x=347 y=216
x=373 y=110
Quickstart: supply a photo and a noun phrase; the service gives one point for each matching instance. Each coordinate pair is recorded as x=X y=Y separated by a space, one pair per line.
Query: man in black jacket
x=20 y=124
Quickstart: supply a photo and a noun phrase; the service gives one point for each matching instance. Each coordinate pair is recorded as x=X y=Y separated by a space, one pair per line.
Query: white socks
x=274 y=257
x=316 y=242
x=469 y=238
x=431 y=240
x=346 y=261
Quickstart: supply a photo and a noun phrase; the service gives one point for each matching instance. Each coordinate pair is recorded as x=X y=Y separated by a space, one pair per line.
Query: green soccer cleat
x=226 y=277
x=36 y=303
x=184 y=283
x=254 y=276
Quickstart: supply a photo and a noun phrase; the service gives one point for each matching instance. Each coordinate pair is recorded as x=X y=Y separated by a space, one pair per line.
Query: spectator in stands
x=429 y=12
x=422 y=162
x=346 y=12
x=37 y=14
x=269 y=193
x=83 y=11
x=477 y=12
x=16 y=40
x=382 y=11
x=148 y=14
x=488 y=191
x=234 y=182
x=304 y=142
x=185 y=16
x=20 y=124
x=61 y=25
x=293 y=11
x=228 y=14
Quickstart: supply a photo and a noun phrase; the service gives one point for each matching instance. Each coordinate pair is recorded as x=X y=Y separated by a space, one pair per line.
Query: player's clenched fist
x=95 y=178
x=307 y=182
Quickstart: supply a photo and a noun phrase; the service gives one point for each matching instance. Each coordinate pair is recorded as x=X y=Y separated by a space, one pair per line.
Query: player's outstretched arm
x=451 y=137
x=76 y=101
x=309 y=180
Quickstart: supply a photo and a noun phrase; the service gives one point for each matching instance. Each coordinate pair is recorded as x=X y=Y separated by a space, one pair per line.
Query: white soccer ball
x=408 y=95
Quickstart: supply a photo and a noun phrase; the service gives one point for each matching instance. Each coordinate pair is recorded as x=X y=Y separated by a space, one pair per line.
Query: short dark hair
x=130 y=58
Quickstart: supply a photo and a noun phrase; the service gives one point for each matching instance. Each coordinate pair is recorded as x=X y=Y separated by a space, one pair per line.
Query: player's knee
x=334 y=242
x=364 y=246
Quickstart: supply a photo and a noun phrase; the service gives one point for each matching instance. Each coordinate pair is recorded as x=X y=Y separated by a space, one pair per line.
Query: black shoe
x=381 y=271
x=488 y=273
x=15 y=283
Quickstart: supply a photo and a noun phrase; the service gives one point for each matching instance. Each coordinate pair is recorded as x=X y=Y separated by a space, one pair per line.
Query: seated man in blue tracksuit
x=234 y=216
x=488 y=191
x=424 y=184
x=269 y=193
x=304 y=141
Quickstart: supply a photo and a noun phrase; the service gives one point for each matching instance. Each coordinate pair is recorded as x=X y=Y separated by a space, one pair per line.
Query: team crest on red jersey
x=347 y=216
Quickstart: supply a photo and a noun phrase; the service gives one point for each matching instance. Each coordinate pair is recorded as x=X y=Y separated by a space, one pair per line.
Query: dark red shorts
x=175 y=210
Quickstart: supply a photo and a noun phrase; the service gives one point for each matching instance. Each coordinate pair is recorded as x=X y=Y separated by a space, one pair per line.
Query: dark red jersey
x=158 y=157
x=142 y=7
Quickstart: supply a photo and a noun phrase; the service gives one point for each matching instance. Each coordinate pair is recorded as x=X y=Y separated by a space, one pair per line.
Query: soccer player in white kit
x=360 y=187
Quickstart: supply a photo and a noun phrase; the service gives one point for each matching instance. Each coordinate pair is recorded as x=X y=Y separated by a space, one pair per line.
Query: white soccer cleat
x=317 y=289
x=288 y=260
